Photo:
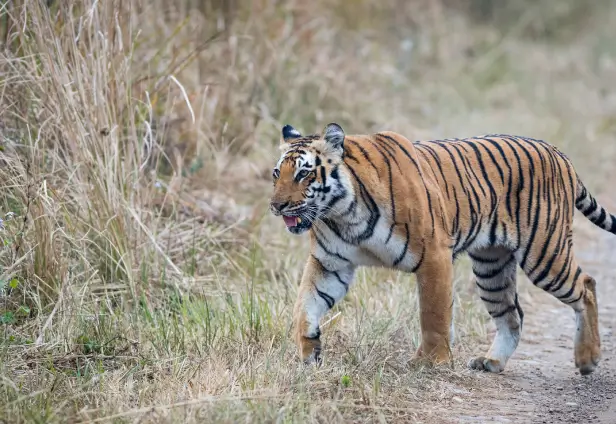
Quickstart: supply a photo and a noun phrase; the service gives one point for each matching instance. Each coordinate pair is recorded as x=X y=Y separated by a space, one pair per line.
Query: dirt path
x=541 y=383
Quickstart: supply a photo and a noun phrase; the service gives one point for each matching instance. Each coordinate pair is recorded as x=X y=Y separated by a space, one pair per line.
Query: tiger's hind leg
x=564 y=279
x=587 y=338
x=495 y=272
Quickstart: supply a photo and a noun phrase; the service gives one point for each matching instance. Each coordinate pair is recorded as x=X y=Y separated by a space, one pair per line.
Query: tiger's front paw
x=437 y=357
x=481 y=363
x=310 y=350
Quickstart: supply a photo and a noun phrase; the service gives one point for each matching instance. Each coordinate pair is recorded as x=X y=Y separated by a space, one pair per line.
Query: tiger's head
x=308 y=179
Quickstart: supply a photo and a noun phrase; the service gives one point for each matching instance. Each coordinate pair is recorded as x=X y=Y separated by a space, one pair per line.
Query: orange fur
x=381 y=200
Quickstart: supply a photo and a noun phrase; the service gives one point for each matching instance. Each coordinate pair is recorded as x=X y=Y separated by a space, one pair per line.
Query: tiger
x=380 y=200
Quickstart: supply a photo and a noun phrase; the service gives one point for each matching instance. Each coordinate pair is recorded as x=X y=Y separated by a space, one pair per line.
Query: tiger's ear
x=289 y=133
x=333 y=134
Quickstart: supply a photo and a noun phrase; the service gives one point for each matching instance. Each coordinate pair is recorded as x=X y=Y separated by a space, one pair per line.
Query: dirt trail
x=541 y=383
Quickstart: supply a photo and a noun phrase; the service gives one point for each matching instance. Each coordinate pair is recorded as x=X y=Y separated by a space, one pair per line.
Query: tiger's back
x=500 y=190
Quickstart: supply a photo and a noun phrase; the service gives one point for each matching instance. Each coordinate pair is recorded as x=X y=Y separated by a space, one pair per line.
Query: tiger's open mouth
x=296 y=224
x=292 y=221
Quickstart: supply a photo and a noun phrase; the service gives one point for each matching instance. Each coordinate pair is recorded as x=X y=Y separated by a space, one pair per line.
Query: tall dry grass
x=141 y=277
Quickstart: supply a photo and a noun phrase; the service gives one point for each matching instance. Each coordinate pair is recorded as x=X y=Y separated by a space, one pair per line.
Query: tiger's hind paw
x=481 y=363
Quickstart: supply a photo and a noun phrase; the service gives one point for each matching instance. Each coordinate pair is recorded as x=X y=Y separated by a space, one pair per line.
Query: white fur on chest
x=392 y=248
x=383 y=249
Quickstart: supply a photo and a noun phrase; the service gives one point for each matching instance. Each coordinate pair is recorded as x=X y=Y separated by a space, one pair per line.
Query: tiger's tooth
x=299 y=220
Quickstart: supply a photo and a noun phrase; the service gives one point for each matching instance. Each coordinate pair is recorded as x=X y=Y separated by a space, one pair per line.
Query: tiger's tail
x=597 y=214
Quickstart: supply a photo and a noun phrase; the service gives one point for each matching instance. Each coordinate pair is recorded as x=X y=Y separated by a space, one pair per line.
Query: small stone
x=456 y=399
x=571 y=404
x=560 y=388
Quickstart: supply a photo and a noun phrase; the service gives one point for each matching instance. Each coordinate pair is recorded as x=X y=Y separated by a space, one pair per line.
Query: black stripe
x=561 y=279
x=496 y=164
x=364 y=154
x=548 y=266
x=582 y=293
x=519 y=308
x=387 y=147
x=401 y=147
x=466 y=193
x=431 y=209
x=488 y=275
x=323 y=176
x=569 y=293
x=421 y=258
x=327 y=298
x=370 y=204
x=456 y=219
x=485 y=299
x=392 y=198
x=468 y=179
x=335 y=199
x=572 y=289
x=530 y=211
x=537 y=213
x=510 y=181
x=492 y=289
x=519 y=190
x=505 y=240
x=613 y=227
x=472 y=235
x=484 y=260
x=427 y=160
x=341 y=281
x=486 y=178
x=334 y=173
x=506 y=311
x=391 y=231
x=548 y=240
x=493 y=227
x=406 y=246
x=438 y=164
x=577 y=273
x=322 y=246
x=469 y=167
x=320 y=264
x=531 y=185
x=352 y=207
x=599 y=221
x=590 y=208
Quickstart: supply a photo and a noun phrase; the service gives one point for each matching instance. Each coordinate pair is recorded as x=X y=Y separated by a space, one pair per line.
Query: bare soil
x=541 y=383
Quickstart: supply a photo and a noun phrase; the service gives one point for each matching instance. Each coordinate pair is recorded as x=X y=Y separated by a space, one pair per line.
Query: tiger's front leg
x=434 y=285
x=319 y=290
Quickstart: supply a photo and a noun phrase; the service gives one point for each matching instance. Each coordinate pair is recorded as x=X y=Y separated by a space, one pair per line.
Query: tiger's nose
x=279 y=206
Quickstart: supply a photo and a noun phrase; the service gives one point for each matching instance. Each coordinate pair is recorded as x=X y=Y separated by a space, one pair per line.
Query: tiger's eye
x=302 y=174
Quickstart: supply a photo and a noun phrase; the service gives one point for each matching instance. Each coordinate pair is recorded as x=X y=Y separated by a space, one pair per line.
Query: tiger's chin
x=296 y=225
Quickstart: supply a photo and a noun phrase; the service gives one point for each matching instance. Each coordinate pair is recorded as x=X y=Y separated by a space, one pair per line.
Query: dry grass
x=141 y=277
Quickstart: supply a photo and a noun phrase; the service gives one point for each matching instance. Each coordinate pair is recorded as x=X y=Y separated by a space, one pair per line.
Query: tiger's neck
x=349 y=218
